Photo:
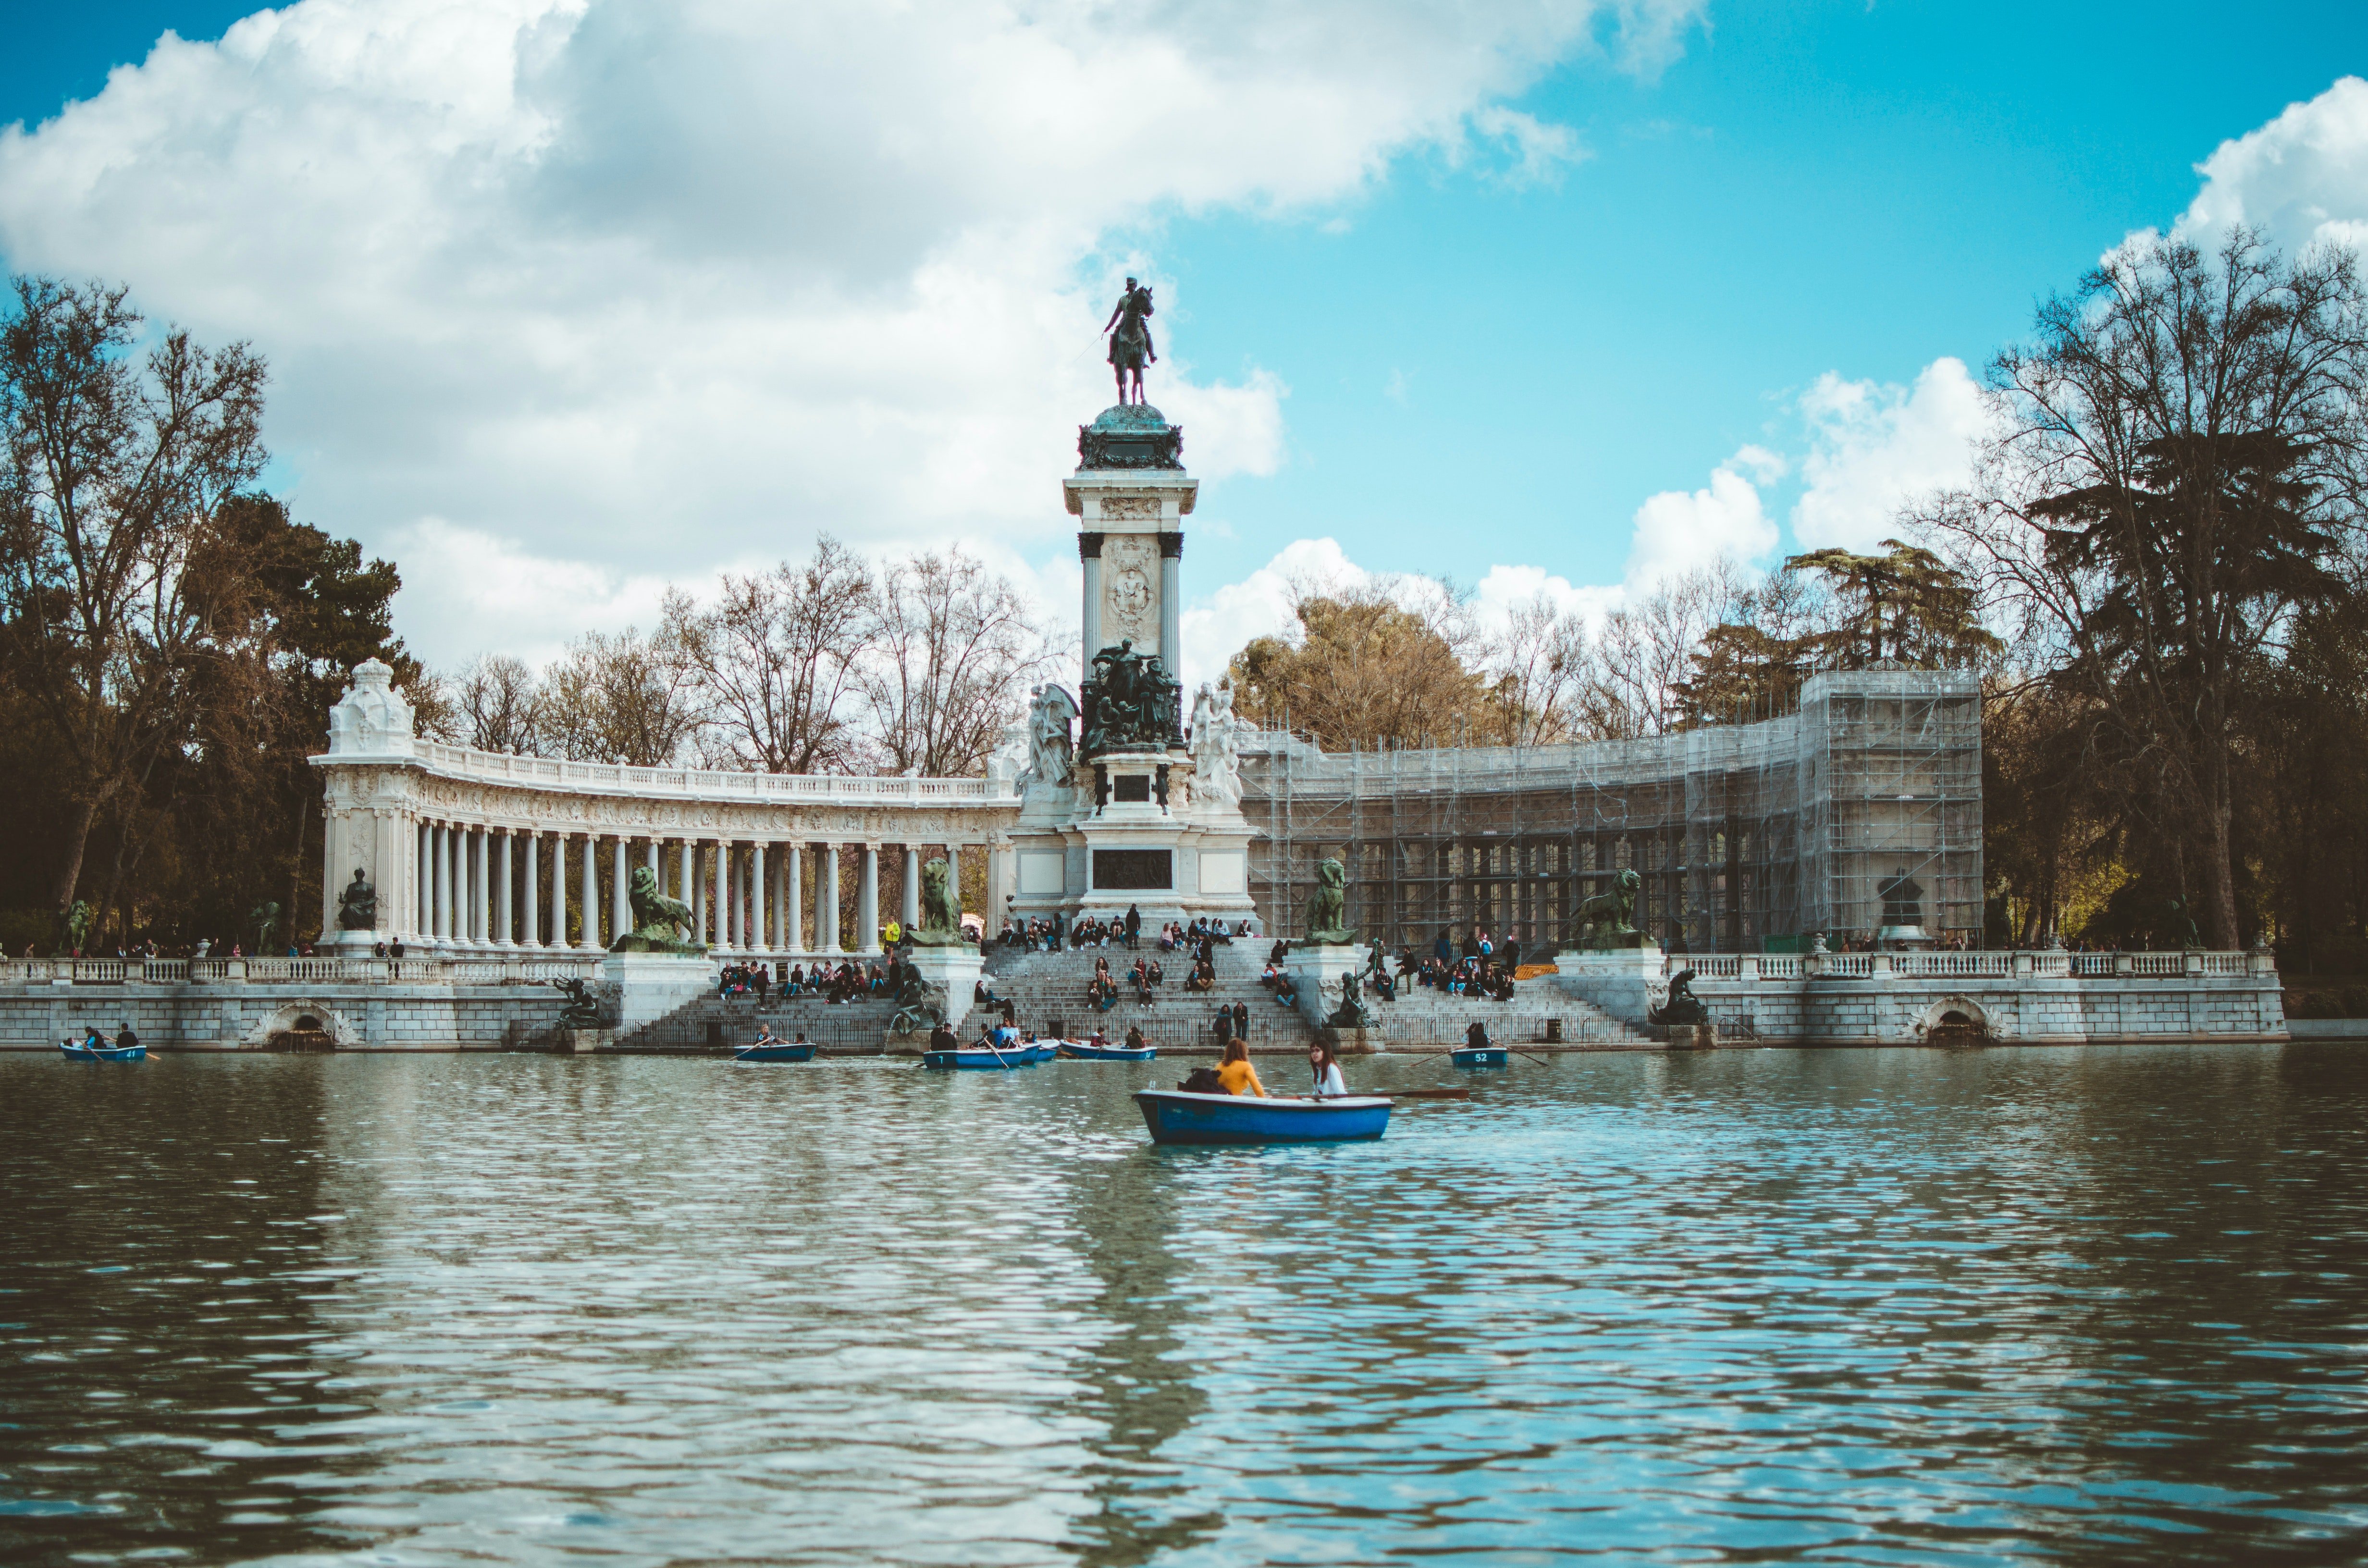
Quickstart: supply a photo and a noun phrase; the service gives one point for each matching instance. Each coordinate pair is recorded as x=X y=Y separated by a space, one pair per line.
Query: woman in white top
x=1326 y=1068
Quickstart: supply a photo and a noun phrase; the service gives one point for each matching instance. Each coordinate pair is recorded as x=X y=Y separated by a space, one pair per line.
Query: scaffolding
x=1858 y=810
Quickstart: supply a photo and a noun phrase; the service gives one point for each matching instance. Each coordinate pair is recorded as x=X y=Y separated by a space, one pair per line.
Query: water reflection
x=1987 y=1306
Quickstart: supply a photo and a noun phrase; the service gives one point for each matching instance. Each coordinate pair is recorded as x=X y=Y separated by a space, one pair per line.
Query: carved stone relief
x=1130 y=592
x=1117 y=506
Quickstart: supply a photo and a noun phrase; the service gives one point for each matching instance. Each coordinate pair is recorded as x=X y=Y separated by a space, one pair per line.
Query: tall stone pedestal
x=1315 y=973
x=1622 y=982
x=646 y=987
x=956 y=969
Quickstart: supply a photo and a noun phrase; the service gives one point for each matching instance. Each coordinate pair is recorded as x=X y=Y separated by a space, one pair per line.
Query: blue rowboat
x=1175 y=1117
x=1478 y=1055
x=103 y=1054
x=1018 y=1056
x=1080 y=1050
x=777 y=1051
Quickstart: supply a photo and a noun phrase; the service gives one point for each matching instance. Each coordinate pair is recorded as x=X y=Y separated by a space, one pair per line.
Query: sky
x=566 y=300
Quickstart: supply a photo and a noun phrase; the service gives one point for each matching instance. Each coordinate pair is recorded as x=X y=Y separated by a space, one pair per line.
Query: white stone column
x=424 y=925
x=656 y=858
x=530 y=929
x=695 y=892
x=558 y=890
x=442 y=928
x=504 y=928
x=481 y=909
x=685 y=873
x=793 y=897
x=953 y=881
x=827 y=904
x=760 y=934
x=912 y=901
x=456 y=847
x=589 y=938
x=620 y=898
x=723 y=895
x=867 y=902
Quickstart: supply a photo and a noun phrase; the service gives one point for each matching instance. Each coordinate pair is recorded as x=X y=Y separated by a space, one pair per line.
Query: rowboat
x=103 y=1054
x=1018 y=1056
x=1177 y=1117
x=777 y=1051
x=1478 y=1056
x=1081 y=1050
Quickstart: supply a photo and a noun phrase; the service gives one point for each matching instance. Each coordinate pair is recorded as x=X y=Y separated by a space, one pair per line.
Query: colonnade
x=497 y=887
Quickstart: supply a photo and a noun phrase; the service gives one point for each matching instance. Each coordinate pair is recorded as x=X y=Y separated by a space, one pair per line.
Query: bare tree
x=496 y=705
x=2179 y=468
x=1539 y=668
x=1645 y=650
x=116 y=469
x=626 y=698
x=955 y=650
x=778 y=656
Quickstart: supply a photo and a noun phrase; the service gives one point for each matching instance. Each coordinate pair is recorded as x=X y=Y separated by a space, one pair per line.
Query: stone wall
x=2010 y=998
x=231 y=1017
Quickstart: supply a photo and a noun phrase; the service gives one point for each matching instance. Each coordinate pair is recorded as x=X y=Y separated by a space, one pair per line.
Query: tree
x=955 y=651
x=1906 y=606
x=1382 y=662
x=116 y=471
x=1539 y=669
x=779 y=654
x=625 y=698
x=2178 y=461
x=496 y=704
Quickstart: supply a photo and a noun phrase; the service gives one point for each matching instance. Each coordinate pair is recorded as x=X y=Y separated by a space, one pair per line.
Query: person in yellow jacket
x=892 y=933
x=1236 y=1074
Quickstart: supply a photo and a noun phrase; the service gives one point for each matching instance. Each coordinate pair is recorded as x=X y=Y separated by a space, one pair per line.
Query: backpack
x=1202 y=1081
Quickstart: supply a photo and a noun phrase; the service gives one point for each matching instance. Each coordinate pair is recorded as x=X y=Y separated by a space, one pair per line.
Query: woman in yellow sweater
x=1236 y=1074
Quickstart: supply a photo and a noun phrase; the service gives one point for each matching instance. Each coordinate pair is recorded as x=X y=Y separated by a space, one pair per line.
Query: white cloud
x=1260 y=605
x=2302 y=177
x=653 y=288
x=1678 y=531
x=1508 y=588
x=1872 y=447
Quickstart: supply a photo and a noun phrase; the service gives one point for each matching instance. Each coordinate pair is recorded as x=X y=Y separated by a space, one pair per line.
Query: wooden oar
x=1430 y=1094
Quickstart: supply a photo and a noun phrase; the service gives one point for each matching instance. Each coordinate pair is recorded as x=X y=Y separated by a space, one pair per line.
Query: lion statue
x=1327 y=907
x=1607 y=914
x=660 y=923
x=941 y=923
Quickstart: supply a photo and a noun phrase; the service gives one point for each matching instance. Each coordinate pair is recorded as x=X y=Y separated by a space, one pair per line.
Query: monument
x=1126 y=799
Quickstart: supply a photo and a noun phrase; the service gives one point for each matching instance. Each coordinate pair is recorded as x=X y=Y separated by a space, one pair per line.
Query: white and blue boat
x=778 y=1051
x=1477 y=1056
x=103 y=1052
x=1176 y=1116
x=1086 y=1050
x=991 y=1061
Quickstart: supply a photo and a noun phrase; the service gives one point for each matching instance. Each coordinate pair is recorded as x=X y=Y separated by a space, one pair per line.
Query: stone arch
x=303 y=1025
x=1954 y=1020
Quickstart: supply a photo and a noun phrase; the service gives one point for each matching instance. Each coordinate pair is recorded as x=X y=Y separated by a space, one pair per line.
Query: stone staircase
x=713 y=1024
x=1047 y=986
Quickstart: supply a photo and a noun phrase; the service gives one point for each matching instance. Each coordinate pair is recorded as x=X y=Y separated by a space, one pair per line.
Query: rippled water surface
x=2091 y=1306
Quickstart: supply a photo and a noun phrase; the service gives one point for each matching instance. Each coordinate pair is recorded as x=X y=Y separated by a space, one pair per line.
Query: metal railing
x=1971 y=965
x=313 y=970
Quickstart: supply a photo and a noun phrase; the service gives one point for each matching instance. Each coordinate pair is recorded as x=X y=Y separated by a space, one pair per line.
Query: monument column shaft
x=912 y=914
x=424 y=906
x=1171 y=603
x=1089 y=557
x=443 y=884
x=793 y=915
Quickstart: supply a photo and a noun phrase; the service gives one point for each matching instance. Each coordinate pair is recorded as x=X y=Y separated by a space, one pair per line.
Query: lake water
x=2020 y=1306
